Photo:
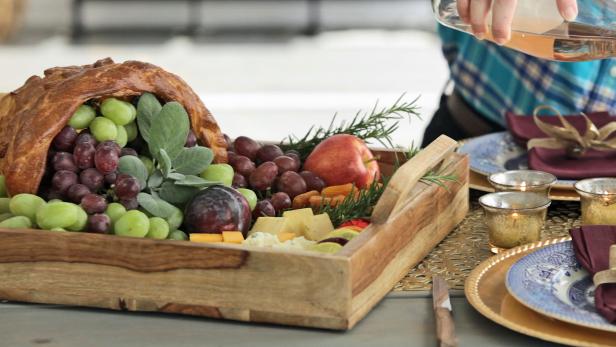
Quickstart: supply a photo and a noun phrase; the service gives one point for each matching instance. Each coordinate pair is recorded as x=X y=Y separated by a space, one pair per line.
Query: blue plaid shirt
x=494 y=79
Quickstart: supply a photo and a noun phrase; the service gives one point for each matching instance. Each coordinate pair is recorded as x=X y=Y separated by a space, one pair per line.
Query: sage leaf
x=175 y=194
x=156 y=179
x=193 y=160
x=169 y=129
x=156 y=206
x=133 y=166
x=165 y=162
x=176 y=176
x=148 y=107
x=196 y=181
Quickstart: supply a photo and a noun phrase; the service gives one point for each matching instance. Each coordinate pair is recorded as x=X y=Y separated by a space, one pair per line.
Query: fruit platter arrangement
x=118 y=190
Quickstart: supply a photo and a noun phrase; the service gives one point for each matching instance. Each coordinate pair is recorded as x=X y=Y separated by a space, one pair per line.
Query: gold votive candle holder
x=598 y=200
x=522 y=181
x=514 y=218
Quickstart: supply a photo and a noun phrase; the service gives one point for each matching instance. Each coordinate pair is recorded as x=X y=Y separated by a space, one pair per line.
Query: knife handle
x=445 y=328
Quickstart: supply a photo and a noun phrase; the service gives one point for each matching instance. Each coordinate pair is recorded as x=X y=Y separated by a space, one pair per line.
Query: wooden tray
x=480 y=182
x=243 y=283
x=485 y=290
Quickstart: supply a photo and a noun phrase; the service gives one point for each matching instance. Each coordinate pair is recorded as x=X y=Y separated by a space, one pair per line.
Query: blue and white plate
x=498 y=152
x=552 y=282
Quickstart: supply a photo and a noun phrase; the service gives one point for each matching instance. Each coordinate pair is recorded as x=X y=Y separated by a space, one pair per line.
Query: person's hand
x=475 y=12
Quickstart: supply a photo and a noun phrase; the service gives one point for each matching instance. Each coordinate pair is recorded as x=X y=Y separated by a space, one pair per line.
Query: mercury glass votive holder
x=514 y=218
x=523 y=181
x=598 y=200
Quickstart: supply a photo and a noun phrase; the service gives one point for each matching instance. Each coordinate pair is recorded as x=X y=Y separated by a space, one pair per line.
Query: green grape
x=17 y=222
x=4 y=205
x=131 y=131
x=82 y=220
x=175 y=220
x=149 y=164
x=250 y=196
x=26 y=205
x=54 y=200
x=57 y=215
x=82 y=118
x=120 y=112
x=122 y=137
x=219 y=172
x=5 y=216
x=133 y=111
x=159 y=229
x=115 y=211
x=133 y=224
x=3 y=192
x=178 y=235
x=58 y=229
x=103 y=129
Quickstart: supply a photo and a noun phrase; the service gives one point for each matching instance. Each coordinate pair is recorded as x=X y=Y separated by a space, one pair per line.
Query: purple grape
x=84 y=137
x=295 y=155
x=191 y=139
x=264 y=175
x=64 y=161
x=231 y=157
x=63 y=179
x=128 y=151
x=99 y=223
x=268 y=153
x=127 y=188
x=229 y=142
x=111 y=178
x=286 y=163
x=246 y=146
x=65 y=140
x=92 y=179
x=54 y=194
x=264 y=208
x=76 y=192
x=239 y=181
x=131 y=204
x=84 y=155
x=280 y=201
x=291 y=183
x=93 y=203
x=313 y=182
x=110 y=144
x=243 y=165
x=106 y=159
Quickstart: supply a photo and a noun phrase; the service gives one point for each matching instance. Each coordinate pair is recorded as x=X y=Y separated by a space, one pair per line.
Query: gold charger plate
x=485 y=290
x=480 y=182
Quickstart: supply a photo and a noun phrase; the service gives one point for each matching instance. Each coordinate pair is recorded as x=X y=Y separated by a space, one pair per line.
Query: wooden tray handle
x=404 y=179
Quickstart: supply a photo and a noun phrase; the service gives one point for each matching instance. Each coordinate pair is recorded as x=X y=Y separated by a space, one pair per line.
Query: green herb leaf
x=169 y=129
x=133 y=166
x=165 y=162
x=156 y=206
x=193 y=160
x=147 y=108
x=176 y=194
x=176 y=176
x=156 y=179
x=196 y=181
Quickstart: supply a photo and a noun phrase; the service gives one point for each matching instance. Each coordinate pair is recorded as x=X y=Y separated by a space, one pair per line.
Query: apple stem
x=376 y=158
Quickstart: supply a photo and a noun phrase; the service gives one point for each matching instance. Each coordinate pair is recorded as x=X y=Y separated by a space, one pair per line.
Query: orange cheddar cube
x=232 y=237
x=206 y=238
x=286 y=236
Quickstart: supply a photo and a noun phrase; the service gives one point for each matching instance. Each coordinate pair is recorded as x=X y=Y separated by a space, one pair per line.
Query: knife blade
x=445 y=327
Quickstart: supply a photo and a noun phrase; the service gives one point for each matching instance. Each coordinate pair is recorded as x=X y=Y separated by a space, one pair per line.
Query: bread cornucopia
x=130 y=149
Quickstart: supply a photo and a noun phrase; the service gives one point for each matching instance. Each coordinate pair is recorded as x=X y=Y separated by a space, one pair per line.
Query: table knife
x=445 y=328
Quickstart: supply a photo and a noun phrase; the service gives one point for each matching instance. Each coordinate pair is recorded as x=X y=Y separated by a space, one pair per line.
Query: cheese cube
x=206 y=238
x=232 y=237
x=271 y=225
x=286 y=236
x=318 y=226
x=298 y=219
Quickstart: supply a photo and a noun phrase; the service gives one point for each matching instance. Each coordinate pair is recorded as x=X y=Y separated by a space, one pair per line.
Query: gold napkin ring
x=607 y=276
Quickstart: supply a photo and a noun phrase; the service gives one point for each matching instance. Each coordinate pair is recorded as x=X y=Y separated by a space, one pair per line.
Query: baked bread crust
x=31 y=116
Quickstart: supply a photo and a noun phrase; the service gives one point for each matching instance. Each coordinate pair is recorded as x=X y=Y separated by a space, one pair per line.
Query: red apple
x=343 y=159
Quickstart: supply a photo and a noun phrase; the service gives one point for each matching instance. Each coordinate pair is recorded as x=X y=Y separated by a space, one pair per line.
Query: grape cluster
x=83 y=161
x=276 y=174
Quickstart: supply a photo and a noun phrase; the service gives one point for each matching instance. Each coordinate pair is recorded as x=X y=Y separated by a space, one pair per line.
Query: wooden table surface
x=401 y=319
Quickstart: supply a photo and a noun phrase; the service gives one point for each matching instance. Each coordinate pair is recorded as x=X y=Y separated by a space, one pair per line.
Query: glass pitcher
x=538 y=29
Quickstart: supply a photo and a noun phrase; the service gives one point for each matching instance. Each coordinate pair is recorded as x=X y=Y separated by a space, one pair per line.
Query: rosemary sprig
x=374 y=125
x=354 y=206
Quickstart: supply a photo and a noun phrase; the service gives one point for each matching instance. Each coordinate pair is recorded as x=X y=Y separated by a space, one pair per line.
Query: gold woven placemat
x=467 y=246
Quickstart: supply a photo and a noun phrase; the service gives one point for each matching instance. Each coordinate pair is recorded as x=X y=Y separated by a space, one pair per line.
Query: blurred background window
x=296 y=62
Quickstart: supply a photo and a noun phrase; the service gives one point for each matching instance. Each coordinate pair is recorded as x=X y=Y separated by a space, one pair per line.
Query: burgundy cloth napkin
x=591 y=245
x=555 y=161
